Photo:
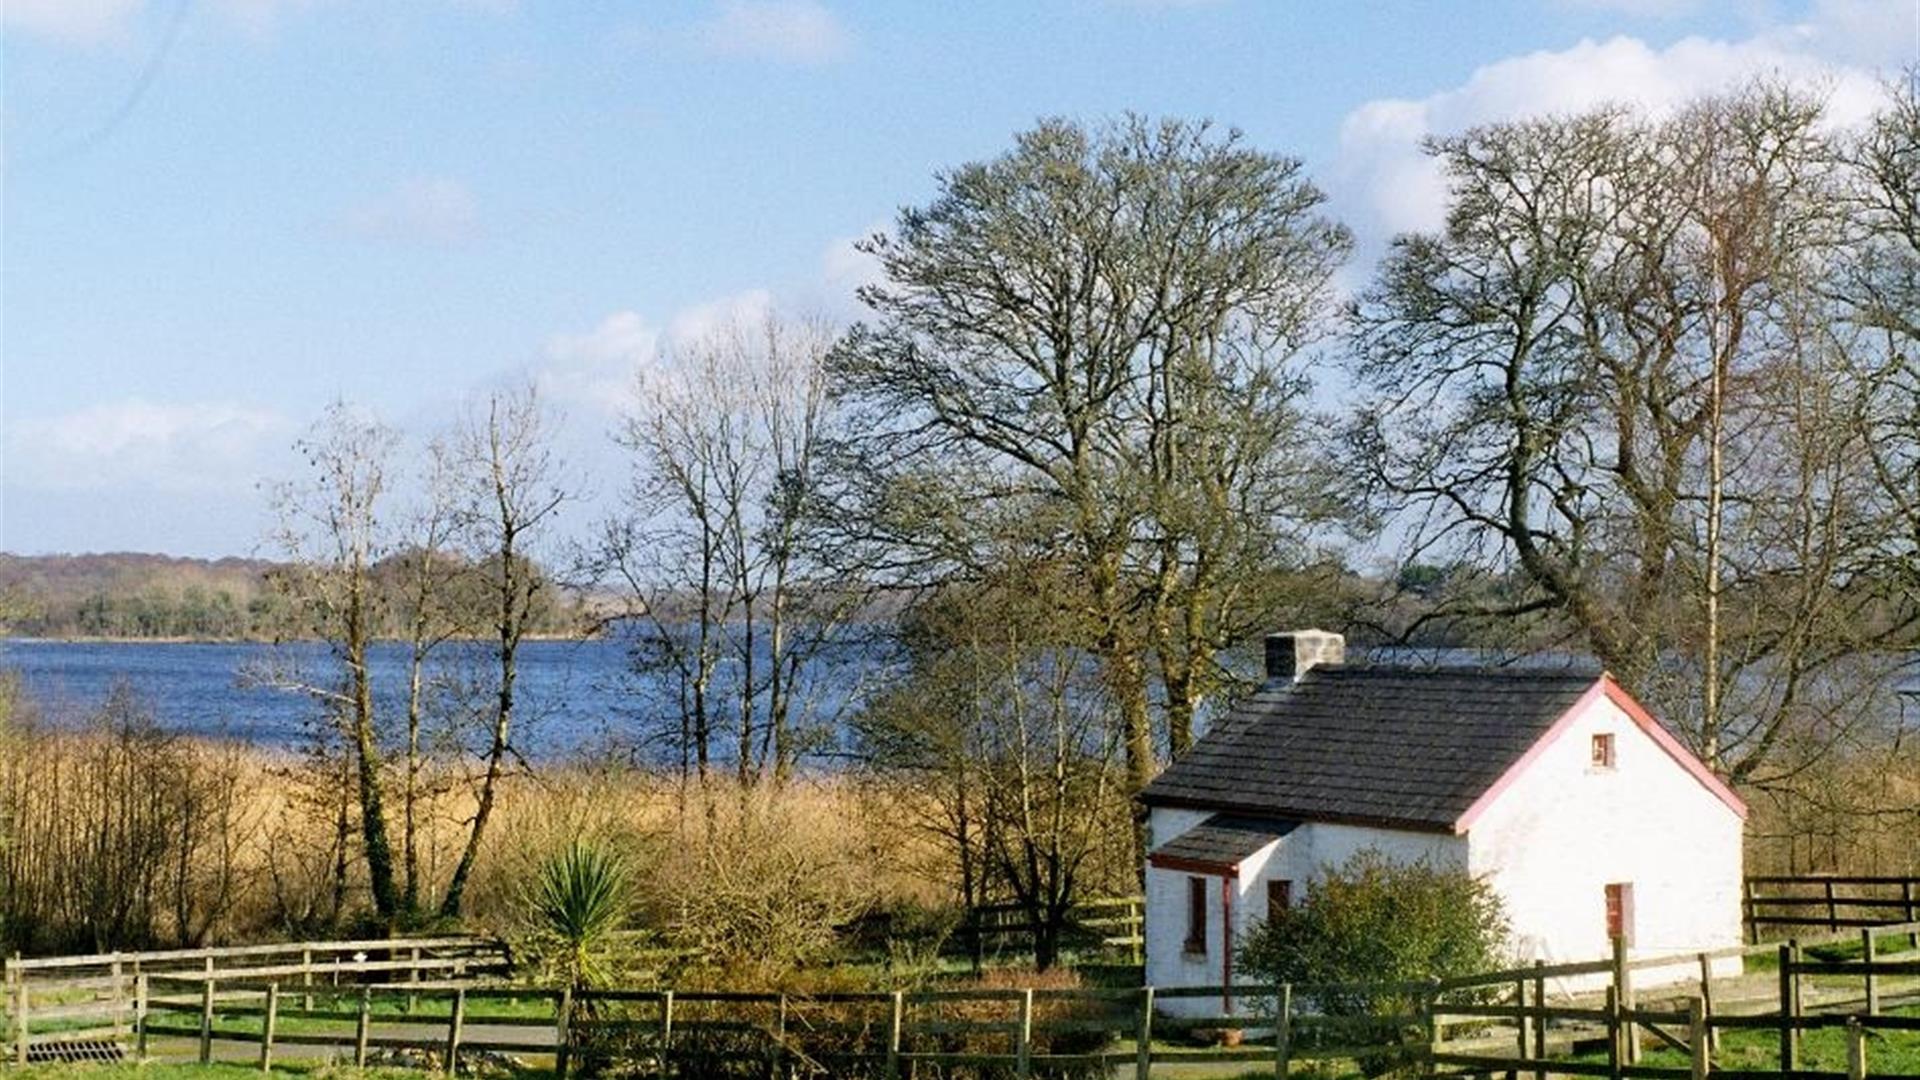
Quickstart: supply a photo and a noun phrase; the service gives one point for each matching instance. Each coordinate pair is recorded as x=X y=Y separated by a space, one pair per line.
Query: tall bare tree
x=719 y=550
x=332 y=528
x=1605 y=380
x=433 y=581
x=512 y=487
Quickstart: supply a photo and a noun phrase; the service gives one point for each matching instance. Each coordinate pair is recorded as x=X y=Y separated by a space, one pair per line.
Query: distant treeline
x=136 y=595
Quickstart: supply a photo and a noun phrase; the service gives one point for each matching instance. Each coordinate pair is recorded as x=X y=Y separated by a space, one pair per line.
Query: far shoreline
x=88 y=639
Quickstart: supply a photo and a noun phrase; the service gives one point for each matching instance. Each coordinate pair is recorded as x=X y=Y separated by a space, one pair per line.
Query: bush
x=576 y=904
x=1373 y=923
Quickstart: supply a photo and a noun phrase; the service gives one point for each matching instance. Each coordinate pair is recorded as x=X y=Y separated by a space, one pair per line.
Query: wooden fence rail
x=1117 y=922
x=77 y=1001
x=1498 y=1021
x=1792 y=904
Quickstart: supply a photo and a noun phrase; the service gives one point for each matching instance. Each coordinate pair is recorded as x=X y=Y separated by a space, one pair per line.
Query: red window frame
x=1603 y=752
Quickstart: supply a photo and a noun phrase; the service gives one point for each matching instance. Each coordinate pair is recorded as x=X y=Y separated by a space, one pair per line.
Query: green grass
x=1821 y=1050
x=315 y=1070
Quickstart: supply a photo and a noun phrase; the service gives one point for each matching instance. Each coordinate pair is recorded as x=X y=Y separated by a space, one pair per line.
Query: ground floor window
x=1279 y=897
x=1196 y=915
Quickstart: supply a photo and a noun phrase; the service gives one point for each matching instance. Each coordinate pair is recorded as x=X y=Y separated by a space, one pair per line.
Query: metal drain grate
x=75 y=1050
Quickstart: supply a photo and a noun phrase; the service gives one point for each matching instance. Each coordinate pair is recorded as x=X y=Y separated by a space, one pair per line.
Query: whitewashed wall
x=1564 y=830
x=1297 y=857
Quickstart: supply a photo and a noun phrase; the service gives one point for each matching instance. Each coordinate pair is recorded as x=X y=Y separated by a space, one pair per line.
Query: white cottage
x=1588 y=817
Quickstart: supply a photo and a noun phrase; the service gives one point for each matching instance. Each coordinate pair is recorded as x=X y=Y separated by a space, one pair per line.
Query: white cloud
x=792 y=31
x=844 y=267
x=595 y=370
x=1380 y=164
x=181 y=447
x=76 y=22
x=422 y=209
x=703 y=320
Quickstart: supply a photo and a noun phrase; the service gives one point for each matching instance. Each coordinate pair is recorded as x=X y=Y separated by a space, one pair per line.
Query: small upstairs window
x=1279 y=898
x=1602 y=757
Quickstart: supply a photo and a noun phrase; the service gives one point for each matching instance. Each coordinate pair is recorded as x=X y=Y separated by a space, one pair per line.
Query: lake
x=572 y=693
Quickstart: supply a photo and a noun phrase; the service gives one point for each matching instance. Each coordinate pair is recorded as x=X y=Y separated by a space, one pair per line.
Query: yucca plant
x=579 y=898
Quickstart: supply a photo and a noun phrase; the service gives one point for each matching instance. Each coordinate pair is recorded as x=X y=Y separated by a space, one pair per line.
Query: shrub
x=577 y=901
x=1373 y=923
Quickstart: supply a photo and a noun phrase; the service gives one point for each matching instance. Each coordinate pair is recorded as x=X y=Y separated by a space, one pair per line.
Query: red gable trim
x=1605 y=687
x=1659 y=733
x=1194 y=866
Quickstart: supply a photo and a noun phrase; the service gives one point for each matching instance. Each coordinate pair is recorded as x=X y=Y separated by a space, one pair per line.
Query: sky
x=216 y=216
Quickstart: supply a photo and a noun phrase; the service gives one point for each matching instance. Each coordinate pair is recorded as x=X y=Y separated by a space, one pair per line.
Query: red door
x=1620 y=911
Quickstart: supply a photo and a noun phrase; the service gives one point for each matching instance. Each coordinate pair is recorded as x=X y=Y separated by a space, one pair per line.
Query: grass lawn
x=1823 y=1050
x=160 y=1071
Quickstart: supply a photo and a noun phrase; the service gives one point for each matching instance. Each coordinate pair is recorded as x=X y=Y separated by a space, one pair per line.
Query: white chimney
x=1292 y=654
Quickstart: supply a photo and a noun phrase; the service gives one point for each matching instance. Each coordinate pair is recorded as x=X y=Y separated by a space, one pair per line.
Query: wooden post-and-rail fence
x=1792 y=904
x=89 y=1007
x=1448 y=1025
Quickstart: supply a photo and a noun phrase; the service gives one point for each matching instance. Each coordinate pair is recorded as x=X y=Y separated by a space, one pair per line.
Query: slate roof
x=1225 y=839
x=1394 y=746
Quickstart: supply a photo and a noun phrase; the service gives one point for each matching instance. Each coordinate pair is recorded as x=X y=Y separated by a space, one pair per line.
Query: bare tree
x=1607 y=381
x=998 y=728
x=512 y=488
x=718 y=553
x=332 y=529
x=429 y=606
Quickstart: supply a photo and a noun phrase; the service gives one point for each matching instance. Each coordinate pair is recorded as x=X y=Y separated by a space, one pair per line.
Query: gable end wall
x=1563 y=830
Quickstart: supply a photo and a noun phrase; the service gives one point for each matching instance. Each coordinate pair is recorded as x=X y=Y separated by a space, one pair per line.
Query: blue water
x=572 y=694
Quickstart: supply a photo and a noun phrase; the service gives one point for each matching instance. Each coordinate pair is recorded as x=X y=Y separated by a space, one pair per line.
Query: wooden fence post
x=140 y=990
x=1540 y=1018
x=1706 y=998
x=563 y=1033
x=119 y=1000
x=1833 y=911
x=1753 y=917
x=1433 y=1019
x=666 y=1029
x=1520 y=1022
x=1697 y=1038
x=899 y=1008
x=266 y=1027
x=413 y=976
x=21 y=1021
x=1789 y=1010
x=780 y=1039
x=454 y=1023
x=1613 y=1033
x=1913 y=913
x=1282 y=1031
x=306 y=979
x=1143 y=1038
x=1856 y=1049
x=1867 y=950
x=1623 y=983
x=362 y=1027
x=206 y=1020
x=1023 y=1047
